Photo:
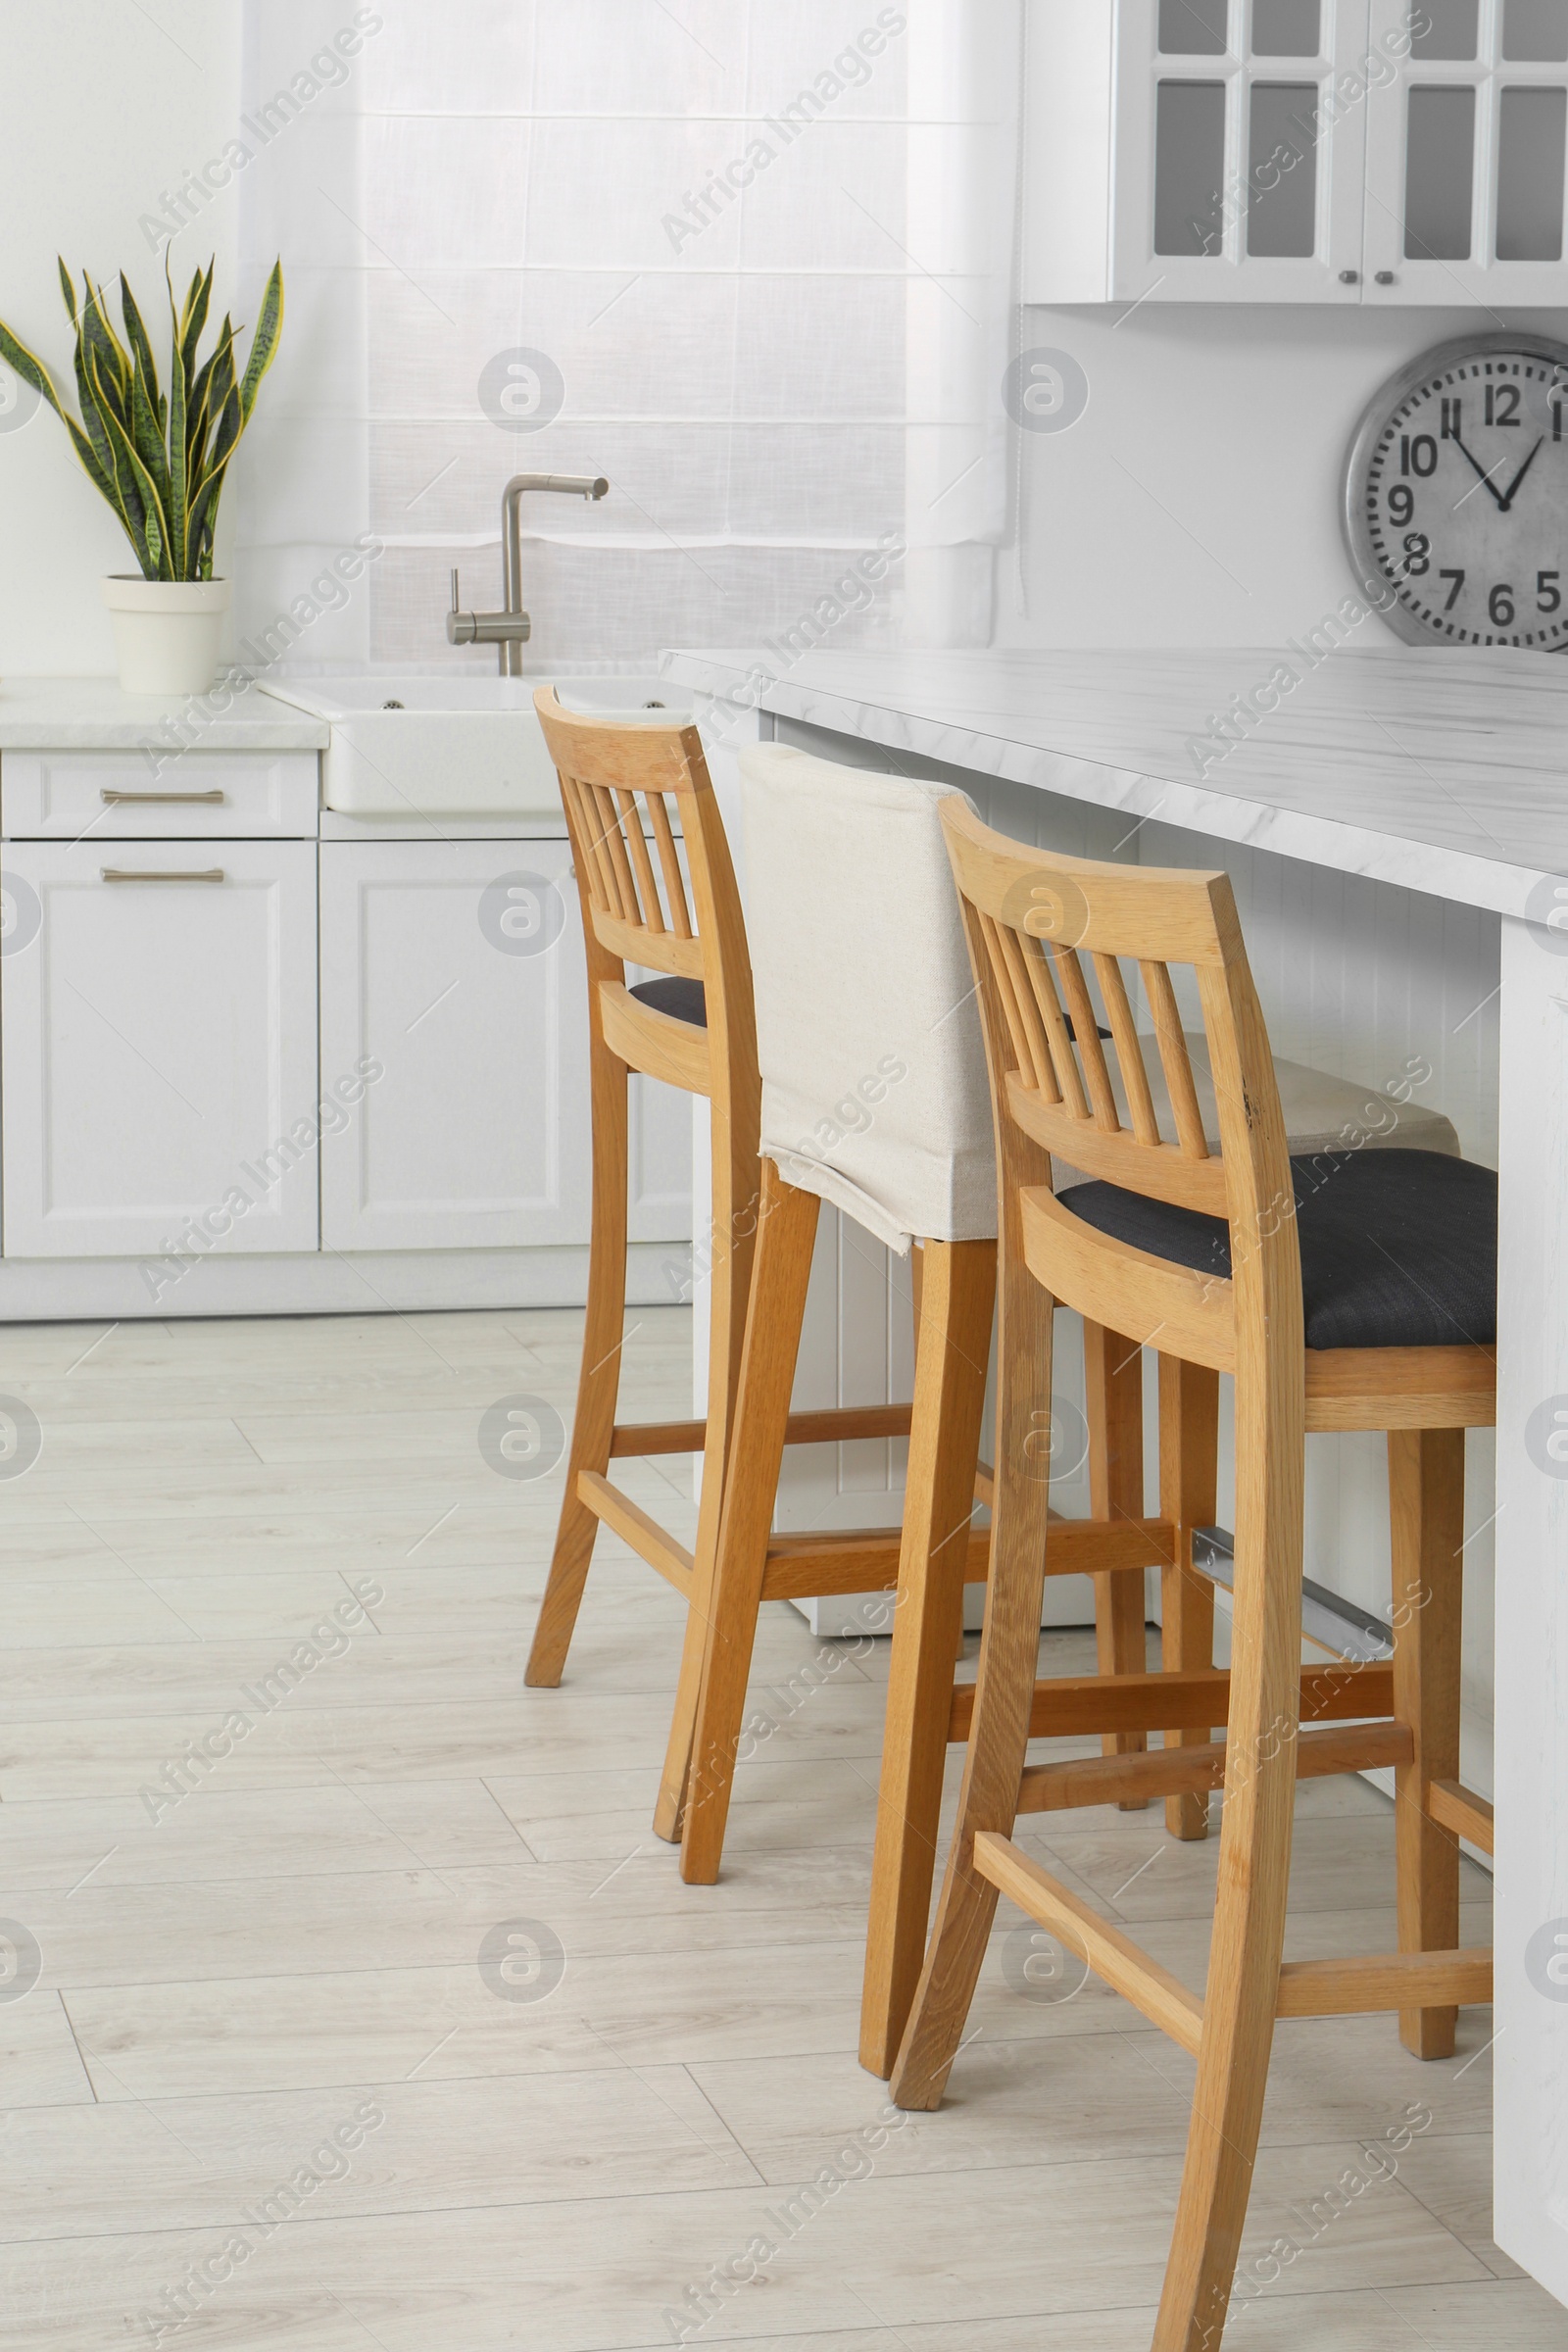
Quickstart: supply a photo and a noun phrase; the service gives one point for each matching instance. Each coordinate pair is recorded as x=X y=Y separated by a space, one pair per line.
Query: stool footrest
x=1384 y=1981
x=1114 y=1958
x=1091 y=1546
x=1175 y=1771
x=858 y=1560
x=1459 y=1808
x=1193 y=1699
x=836 y=1425
x=1307 y=1987
x=633 y=1525
x=803 y=1567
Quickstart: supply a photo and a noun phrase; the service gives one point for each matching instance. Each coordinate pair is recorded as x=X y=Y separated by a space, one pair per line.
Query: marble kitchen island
x=1397 y=824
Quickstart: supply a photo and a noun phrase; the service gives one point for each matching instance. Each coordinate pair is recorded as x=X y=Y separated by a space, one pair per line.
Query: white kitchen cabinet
x=194 y=794
x=1337 y=151
x=1467 y=155
x=158 y=1029
x=458 y=967
x=1194 y=151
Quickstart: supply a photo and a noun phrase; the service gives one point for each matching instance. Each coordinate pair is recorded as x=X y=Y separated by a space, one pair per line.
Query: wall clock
x=1456 y=494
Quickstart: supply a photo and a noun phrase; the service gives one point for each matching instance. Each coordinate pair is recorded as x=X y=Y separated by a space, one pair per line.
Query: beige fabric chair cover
x=874 y=1093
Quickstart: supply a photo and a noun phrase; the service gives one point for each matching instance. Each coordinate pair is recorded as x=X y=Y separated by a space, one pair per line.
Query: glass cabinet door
x=1239 y=155
x=1467 y=153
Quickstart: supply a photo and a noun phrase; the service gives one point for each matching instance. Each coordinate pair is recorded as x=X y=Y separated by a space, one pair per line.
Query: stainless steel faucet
x=509 y=631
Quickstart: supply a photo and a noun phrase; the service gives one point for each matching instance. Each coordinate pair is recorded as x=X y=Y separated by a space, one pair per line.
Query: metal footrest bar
x=1326 y=1617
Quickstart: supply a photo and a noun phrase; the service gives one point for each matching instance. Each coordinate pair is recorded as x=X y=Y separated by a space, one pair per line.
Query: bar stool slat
x=1174 y=1059
x=1129 y=1051
x=614 y=842
x=1069 y=1088
x=1035 y=1066
x=632 y=823
x=1086 y=1030
x=669 y=865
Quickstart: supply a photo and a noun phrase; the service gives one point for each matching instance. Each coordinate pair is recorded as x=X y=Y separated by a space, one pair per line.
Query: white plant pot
x=168 y=633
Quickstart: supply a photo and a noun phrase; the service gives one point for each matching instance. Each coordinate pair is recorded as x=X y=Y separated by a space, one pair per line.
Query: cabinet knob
x=1348 y=277
x=1384 y=278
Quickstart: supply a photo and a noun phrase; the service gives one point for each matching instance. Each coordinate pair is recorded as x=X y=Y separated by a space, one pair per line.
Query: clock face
x=1456 y=495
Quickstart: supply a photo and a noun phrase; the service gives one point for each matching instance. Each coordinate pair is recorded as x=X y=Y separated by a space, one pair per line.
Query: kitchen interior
x=526 y=668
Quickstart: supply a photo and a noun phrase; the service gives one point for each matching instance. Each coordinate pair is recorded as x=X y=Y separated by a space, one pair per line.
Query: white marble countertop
x=82 y=715
x=1443 y=770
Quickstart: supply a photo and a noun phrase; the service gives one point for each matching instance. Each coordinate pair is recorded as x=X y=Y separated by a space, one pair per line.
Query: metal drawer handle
x=116 y=800
x=117 y=873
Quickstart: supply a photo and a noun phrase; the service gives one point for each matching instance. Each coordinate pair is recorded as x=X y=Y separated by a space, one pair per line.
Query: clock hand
x=1480 y=469
x=1508 y=496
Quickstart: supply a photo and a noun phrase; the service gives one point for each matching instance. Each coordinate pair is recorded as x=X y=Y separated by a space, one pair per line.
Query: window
x=749 y=262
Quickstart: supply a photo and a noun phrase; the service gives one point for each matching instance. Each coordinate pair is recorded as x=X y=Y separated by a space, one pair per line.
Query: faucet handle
x=463 y=628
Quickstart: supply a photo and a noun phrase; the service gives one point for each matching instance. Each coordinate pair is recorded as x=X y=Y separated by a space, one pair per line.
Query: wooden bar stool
x=1352 y=1291
x=631 y=795
x=875 y=1099
x=620 y=786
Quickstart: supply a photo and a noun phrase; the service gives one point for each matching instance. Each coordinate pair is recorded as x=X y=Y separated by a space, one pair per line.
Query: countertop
x=1442 y=770
x=93 y=714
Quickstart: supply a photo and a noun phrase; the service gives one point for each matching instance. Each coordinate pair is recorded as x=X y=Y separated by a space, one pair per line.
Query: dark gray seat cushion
x=1399 y=1249
x=682 y=999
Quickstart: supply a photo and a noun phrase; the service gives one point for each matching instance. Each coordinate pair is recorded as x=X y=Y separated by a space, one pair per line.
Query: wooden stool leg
x=1114 y=1381
x=598 y=1381
x=1248 y=1941
x=1426 y=1501
x=1188 y=1472
x=916 y=1286
x=1009 y=1655
x=739 y=1208
x=958 y=1297
x=728 y=1581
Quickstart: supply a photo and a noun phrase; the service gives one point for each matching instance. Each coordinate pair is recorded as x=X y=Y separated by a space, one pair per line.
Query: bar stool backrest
x=874 y=1091
x=1035 y=919
x=631 y=794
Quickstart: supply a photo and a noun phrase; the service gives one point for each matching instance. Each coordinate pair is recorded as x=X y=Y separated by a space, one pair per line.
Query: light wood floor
x=297 y=1942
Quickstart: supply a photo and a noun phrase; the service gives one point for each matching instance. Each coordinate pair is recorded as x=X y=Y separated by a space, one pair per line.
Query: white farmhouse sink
x=455 y=745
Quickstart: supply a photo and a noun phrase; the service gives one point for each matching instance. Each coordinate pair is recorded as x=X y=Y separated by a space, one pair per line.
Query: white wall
x=1197 y=500
x=107 y=105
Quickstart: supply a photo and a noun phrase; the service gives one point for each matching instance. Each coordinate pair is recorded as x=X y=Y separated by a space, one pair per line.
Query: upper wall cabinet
x=1297 y=151
x=1466 y=153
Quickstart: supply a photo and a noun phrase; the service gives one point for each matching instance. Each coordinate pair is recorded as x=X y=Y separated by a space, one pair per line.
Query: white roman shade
x=753 y=262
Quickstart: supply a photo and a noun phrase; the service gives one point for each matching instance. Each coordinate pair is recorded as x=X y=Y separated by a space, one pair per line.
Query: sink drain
x=394 y=705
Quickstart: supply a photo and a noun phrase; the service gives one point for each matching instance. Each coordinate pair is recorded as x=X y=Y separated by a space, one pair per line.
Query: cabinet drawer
x=119 y=796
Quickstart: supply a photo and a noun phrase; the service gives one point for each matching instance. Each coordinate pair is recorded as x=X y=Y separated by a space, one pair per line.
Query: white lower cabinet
x=157 y=1025
x=455 y=971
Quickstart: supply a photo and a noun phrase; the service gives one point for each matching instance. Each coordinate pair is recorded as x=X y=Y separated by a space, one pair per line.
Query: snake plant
x=160 y=458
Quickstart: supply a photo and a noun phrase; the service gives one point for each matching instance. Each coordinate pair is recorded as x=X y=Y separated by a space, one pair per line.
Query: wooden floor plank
x=225 y=1975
